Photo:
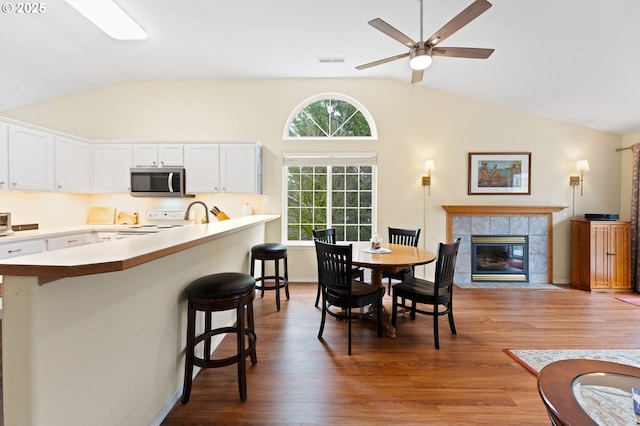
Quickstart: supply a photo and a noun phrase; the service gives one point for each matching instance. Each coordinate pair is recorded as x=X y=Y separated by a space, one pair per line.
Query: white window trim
x=327 y=159
x=340 y=97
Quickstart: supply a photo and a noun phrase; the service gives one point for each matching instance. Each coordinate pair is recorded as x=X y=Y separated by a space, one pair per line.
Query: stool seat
x=275 y=252
x=226 y=284
x=273 y=249
x=220 y=292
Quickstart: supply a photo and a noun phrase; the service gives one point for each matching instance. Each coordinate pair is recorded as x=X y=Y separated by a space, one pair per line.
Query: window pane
x=306 y=215
x=337 y=216
x=306 y=233
x=352 y=199
x=293 y=199
x=320 y=199
x=365 y=216
x=337 y=199
x=339 y=233
x=365 y=233
x=351 y=233
x=320 y=218
x=293 y=232
x=338 y=182
x=351 y=216
x=366 y=182
x=293 y=215
x=365 y=199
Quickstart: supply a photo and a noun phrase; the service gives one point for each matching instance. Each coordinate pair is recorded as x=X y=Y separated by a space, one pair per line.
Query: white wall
x=414 y=123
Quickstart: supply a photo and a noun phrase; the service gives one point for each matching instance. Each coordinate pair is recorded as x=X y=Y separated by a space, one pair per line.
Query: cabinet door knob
x=611 y=254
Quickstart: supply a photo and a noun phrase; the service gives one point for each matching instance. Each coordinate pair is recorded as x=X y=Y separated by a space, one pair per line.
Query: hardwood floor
x=405 y=380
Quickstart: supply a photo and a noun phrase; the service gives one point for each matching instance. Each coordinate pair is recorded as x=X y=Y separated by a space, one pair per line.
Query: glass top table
x=588 y=392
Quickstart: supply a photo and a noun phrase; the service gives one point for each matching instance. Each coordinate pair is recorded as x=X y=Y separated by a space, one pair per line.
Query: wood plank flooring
x=405 y=380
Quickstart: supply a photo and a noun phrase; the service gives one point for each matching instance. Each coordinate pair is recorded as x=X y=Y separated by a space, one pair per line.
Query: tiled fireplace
x=534 y=222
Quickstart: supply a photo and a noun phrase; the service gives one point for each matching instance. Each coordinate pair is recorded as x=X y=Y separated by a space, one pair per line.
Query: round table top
x=556 y=384
x=400 y=255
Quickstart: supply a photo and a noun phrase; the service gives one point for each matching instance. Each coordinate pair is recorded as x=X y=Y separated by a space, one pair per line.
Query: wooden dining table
x=391 y=258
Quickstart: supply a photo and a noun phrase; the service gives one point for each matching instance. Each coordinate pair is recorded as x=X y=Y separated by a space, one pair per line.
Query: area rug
x=607 y=406
x=534 y=359
x=633 y=300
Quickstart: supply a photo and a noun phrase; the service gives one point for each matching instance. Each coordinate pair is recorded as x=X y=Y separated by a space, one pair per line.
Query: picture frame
x=499 y=173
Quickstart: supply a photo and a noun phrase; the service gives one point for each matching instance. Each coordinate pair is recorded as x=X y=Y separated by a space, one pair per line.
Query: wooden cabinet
x=72 y=165
x=111 y=168
x=31 y=161
x=158 y=155
x=600 y=255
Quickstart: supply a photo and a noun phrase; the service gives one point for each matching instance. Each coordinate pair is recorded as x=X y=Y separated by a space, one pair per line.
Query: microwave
x=158 y=182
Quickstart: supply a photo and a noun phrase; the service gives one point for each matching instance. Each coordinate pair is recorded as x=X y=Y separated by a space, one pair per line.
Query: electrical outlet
x=266 y=199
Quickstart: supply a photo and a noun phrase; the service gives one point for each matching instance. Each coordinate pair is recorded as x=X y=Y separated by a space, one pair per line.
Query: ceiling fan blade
x=476 y=9
x=382 y=61
x=392 y=32
x=416 y=76
x=462 y=52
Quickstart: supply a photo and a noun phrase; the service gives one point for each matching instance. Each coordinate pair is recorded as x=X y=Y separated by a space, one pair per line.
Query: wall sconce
x=429 y=166
x=582 y=166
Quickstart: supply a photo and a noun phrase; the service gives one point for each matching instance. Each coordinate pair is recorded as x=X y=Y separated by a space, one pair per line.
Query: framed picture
x=493 y=173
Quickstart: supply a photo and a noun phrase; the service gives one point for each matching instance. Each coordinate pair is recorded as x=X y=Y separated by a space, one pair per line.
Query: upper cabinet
x=4 y=156
x=158 y=155
x=31 y=159
x=201 y=162
x=111 y=167
x=241 y=168
x=72 y=165
x=223 y=168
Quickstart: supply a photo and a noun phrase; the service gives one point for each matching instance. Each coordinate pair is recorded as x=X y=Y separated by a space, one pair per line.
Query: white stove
x=158 y=220
x=166 y=218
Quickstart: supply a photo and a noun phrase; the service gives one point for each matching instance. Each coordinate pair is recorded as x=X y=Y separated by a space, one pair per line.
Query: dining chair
x=437 y=293
x=407 y=237
x=341 y=291
x=329 y=236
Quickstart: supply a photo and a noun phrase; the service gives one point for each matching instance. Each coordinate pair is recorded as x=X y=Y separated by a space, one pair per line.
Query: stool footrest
x=233 y=359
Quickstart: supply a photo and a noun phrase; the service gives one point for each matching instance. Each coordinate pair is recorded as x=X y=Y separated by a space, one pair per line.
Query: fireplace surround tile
x=533 y=221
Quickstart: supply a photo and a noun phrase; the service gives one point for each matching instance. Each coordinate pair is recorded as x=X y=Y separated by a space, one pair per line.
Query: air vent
x=331 y=60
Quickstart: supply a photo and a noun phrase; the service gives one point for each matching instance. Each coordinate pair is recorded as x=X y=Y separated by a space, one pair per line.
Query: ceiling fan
x=421 y=53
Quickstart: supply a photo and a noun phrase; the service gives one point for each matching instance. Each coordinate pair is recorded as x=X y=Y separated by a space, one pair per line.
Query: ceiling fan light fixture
x=420 y=59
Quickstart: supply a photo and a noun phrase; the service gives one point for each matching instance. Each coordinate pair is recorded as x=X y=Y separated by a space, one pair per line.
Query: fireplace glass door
x=499 y=258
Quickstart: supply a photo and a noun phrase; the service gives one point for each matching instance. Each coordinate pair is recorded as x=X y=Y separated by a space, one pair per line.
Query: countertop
x=114 y=255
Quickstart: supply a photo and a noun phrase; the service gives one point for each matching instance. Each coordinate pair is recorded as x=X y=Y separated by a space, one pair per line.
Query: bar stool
x=275 y=252
x=220 y=292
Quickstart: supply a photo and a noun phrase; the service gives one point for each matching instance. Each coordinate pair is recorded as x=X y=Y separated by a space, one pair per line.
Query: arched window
x=330 y=116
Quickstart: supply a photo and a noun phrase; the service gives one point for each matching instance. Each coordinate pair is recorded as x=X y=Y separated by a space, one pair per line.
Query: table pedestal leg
x=376 y=280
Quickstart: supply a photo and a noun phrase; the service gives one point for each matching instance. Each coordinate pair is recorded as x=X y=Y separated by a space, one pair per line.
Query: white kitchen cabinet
x=4 y=156
x=72 y=240
x=241 y=168
x=72 y=165
x=224 y=168
x=202 y=164
x=158 y=155
x=31 y=159
x=111 y=167
x=21 y=248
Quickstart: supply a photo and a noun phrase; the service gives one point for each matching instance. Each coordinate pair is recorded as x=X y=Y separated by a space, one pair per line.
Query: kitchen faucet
x=206 y=210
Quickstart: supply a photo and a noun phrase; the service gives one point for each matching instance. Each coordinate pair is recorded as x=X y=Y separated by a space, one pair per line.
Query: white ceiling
x=573 y=60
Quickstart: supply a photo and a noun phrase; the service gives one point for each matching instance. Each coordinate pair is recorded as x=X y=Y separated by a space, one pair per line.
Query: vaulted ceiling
x=573 y=60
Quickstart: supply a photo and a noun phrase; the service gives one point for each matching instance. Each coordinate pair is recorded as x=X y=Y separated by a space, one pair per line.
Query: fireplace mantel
x=507 y=210
x=502 y=210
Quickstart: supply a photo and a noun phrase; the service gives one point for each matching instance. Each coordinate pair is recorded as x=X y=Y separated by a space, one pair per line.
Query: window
x=330 y=116
x=329 y=191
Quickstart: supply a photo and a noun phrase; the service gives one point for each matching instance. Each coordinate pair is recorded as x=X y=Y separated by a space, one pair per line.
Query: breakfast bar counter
x=95 y=334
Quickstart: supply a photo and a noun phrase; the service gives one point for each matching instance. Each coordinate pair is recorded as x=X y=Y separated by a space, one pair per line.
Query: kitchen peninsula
x=95 y=334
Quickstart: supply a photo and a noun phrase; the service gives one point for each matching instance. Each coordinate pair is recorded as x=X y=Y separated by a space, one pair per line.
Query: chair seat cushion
x=361 y=294
x=222 y=285
x=419 y=287
x=269 y=249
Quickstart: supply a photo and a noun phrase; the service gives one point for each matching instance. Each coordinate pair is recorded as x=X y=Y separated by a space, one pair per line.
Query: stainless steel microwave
x=158 y=182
